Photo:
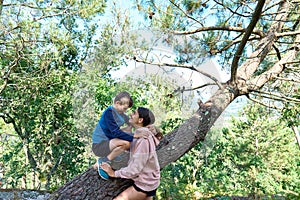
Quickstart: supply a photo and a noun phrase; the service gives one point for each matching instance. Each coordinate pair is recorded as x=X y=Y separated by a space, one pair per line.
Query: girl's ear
x=140 y=120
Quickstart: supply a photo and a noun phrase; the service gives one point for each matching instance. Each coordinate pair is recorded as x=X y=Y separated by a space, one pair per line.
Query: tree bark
x=297 y=136
x=89 y=185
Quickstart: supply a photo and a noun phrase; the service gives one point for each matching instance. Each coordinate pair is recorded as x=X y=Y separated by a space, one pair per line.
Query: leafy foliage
x=41 y=50
x=256 y=157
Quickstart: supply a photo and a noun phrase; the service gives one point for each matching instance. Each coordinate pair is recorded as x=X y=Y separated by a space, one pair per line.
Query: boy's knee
x=126 y=145
x=123 y=144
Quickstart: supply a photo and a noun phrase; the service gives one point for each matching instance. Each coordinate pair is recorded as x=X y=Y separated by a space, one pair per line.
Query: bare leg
x=131 y=194
x=117 y=146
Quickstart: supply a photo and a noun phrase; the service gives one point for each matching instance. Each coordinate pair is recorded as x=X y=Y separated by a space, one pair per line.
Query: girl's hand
x=107 y=168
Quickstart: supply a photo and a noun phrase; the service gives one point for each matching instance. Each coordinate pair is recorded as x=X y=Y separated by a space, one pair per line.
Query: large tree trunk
x=90 y=186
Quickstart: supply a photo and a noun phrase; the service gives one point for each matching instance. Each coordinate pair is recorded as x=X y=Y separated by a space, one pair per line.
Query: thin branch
x=1 y=7
x=296 y=135
x=188 y=16
x=287 y=33
x=233 y=43
x=278 y=67
x=263 y=104
x=11 y=67
x=248 y=68
x=269 y=97
x=272 y=6
x=277 y=52
x=288 y=79
x=279 y=96
x=191 y=67
x=238 y=53
x=293 y=62
x=218 y=28
x=195 y=88
x=9 y=120
x=232 y=11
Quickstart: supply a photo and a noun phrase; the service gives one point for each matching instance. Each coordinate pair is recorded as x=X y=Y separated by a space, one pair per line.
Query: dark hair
x=147 y=115
x=124 y=95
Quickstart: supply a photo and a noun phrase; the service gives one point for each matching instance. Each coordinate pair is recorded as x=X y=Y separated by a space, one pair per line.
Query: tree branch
x=9 y=120
x=297 y=136
x=12 y=66
x=293 y=62
x=238 y=53
x=273 y=72
x=218 y=28
x=182 y=66
x=233 y=43
x=281 y=97
x=245 y=72
x=1 y=7
x=195 y=88
x=188 y=16
x=263 y=104
x=288 y=79
x=232 y=11
x=287 y=33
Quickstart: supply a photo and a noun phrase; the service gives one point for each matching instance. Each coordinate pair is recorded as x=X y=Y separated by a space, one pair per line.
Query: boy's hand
x=127 y=129
x=107 y=168
x=152 y=128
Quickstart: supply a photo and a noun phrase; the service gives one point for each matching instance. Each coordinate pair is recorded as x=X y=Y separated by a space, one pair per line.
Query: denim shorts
x=101 y=149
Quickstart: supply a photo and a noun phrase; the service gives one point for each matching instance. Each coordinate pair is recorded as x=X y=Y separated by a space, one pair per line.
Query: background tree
x=43 y=44
x=256 y=156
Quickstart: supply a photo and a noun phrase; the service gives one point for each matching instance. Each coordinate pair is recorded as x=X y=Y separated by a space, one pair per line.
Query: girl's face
x=134 y=118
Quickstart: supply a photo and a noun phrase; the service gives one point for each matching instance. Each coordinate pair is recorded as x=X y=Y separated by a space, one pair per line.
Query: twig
x=288 y=79
x=188 y=16
x=271 y=95
x=264 y=104
x=218 y=28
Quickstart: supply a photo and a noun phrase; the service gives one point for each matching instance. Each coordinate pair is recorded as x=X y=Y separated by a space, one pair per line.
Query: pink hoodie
x=143 y=167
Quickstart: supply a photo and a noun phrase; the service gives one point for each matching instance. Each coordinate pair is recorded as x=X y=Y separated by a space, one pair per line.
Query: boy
x=109 y=140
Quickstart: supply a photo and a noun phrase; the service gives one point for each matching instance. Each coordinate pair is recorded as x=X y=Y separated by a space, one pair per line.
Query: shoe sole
x=99 y=168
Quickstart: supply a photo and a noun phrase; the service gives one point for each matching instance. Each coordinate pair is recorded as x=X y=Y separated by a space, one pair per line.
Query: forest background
x=57 y=61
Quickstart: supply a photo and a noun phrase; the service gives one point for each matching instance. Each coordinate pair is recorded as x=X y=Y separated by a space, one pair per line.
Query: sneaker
x=101 y=172
x=117 y=159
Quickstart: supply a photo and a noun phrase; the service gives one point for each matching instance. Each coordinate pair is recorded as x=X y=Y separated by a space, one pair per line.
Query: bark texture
x=89 y=185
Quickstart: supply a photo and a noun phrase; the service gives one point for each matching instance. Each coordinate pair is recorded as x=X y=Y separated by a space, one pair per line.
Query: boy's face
x=122 y=105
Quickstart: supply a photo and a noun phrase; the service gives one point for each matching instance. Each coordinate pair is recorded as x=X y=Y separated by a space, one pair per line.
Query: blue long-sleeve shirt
x=108 y=127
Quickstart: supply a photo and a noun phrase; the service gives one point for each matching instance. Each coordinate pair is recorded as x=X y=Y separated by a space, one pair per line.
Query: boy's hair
x=147 y=115
x=124 y=95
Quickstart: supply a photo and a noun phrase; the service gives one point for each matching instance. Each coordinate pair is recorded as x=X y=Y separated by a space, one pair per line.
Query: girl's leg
x=131 y=194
